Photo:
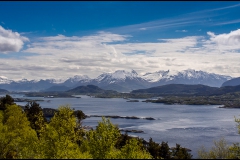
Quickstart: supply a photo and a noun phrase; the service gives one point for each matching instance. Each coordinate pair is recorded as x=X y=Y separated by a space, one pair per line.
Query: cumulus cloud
x=10 y=41
x=232 y=38
x=226 y=42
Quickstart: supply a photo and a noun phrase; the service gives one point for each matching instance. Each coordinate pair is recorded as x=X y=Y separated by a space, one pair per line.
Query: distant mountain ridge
x=232 y=82
x=183 y=89
x=120 y=80
x=3 y=91
x=89 y=89
x=56 y=88
x=185 y=77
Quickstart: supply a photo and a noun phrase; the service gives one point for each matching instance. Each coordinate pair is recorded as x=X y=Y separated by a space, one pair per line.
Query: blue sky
x=63 y=39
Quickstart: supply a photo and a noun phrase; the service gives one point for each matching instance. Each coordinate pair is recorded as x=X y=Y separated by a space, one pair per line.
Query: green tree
x=122 y=140
x=101 y=142
x=154 y=149
x=220 y=150
x=58 y=140
x=35 y=116
x=234 y=151
x=164 y=151
x=7 y=100
x=180 y=153
x=133 y=150
x=17 y=138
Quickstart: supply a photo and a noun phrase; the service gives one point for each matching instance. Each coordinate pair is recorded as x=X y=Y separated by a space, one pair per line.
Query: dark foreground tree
x=180 y=153
x=35 y=116
x=4 y=101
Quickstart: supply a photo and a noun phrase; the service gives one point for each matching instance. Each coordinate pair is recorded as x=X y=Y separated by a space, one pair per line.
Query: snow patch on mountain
x=186 y=74
x=121 y=74
x=4 y=80
x=78 y=78
x=57 y=81
x=24 y=80
x=157 y=76
x=117 y=75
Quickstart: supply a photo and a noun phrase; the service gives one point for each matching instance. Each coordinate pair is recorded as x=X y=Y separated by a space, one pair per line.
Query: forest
x=26 y=133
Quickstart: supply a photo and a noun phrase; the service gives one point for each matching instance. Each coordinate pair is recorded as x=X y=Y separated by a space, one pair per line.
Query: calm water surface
x=191 y=126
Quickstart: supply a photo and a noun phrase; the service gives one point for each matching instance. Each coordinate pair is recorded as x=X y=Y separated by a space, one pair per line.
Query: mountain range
x=183 y=89
x=232 y=82
x=120 y=80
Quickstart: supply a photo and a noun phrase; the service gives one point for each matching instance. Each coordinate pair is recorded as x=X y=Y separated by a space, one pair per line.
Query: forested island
x=229 y=100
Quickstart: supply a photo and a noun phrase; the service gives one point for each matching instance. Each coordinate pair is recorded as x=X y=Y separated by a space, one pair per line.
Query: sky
x=44 y=40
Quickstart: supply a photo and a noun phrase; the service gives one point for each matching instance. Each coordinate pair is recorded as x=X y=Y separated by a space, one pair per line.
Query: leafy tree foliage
x=159 y=151
x=17 y=138
x=35 y=116
x=7 y=100
x=180 y=153
x=154 y=149
x=221 y=150
x=234 y=151
x=165 y=151
x=80 y=116
x=59 y=138
x=133 y=150
x=122 y=140
x=101 y=142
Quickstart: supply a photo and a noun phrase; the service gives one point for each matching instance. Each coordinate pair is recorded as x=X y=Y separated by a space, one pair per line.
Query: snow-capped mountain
x=4 y=80
x=189 y=76
x=119 y=75
x=77 y=80
x=57 y=81
x=120 y=80
x=156 y=76
x=28 y=85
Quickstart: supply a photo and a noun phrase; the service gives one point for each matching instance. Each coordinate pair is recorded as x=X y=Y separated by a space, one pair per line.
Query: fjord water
x=191 y=126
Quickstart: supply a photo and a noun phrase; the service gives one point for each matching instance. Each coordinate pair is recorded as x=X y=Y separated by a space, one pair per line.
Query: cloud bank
x=61 y=56
x=10 y=41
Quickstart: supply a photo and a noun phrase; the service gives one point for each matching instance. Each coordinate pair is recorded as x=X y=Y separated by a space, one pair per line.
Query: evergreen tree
x=7 y=100
x=164 y=151
x=35 y=116
x=180 y=153
x=154 y=149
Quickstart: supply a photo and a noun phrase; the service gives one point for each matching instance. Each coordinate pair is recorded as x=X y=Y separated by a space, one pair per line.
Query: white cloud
x=10 y=41
x=61 y=56
x=227 y=42
x=232 y=38
x=181 y=30
x=143 y=29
